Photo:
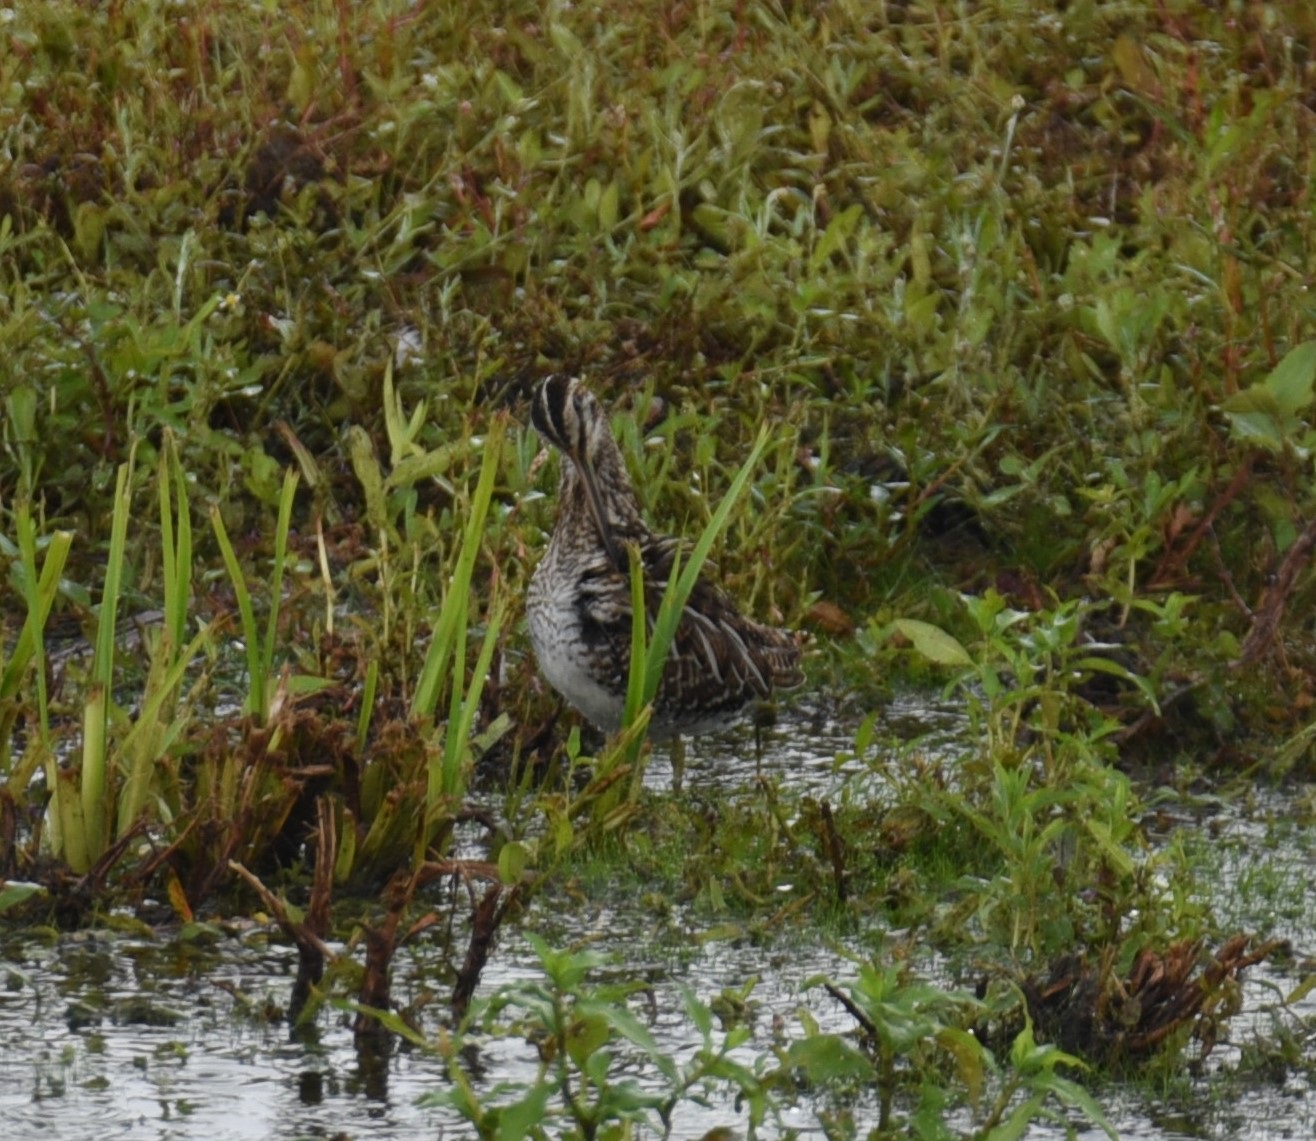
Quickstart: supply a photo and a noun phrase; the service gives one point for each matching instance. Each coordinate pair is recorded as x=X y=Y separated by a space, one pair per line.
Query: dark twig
x=1173 y=560
x=486 y=917
x=866 y=1023
x=835 y=849
x=297 y=932
x=1261 y=638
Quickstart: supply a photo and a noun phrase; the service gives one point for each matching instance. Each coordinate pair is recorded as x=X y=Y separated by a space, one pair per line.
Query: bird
x=578 y=605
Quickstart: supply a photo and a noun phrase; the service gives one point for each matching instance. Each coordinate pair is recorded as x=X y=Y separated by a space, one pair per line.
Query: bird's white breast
x=563 y=653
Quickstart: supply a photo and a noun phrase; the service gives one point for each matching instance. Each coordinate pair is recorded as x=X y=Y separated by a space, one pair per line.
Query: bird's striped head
x=568 y=416
x=594 y=480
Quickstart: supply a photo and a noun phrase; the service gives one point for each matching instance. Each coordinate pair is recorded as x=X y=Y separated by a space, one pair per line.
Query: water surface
x=142 y=1036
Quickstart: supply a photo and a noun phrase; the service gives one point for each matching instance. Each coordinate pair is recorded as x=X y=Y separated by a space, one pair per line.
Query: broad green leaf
x=520 y=1118
x=1265 y=413
x=587 y=1036
x=934 y=643
x=828 y=1057
x=1254 y=415
x=1292 y=379
x=513 y=860
x=1071 y=1093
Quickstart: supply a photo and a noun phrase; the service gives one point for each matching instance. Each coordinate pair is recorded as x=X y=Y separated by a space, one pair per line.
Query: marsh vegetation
x=1009 y=304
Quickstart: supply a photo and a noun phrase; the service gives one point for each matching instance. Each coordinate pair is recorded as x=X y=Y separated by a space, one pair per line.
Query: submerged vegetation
x=1010 y=305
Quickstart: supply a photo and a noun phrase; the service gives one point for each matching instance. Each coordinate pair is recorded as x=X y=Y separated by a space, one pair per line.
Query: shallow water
x=136 y=1036
x=812 y=754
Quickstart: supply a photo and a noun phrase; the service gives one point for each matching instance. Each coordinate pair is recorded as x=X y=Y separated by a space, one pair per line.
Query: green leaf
x=1119 y=859
x=1105 y=665
x=1018 y=1123
x=1291 y=381
x=13 y=893
x=520 y=1118
x=1297 y=994
x=1071 y=1093
x=1256 y=417
x=933 y=642
x=1033 y=1060
x=839 y=231
x=619 y=1019
x=827 y=1057
x=969 y=1056
x=609 y=206
x=587 y=1036
x=643 y=684
x=365 y=465
x=21 y=405
x=698 y=1012
x=564 y=39
x=512 y=862
x=1021 y=1050
x=257 y=690
x=456 y=598
x=1265 y=413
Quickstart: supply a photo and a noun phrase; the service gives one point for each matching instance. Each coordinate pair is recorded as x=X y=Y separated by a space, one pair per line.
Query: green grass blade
x=153 y=732
x=257 y=689
x=652 y=641
x=290 y=479
x=176 y=545
x=169 y=562
x=463 y=714
x=680 y=586
x=674 y=599
x=39 y=592
x=81 y=850
x=636 y=681
x=367 y=706
x=456 y=597
x=437 y=776
x=97 y=793
x=107 y=617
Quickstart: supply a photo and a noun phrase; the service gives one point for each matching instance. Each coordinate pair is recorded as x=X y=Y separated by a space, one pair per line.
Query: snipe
x=579 y=602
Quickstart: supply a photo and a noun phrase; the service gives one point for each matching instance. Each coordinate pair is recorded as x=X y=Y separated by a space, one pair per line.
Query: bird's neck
x=621 y=509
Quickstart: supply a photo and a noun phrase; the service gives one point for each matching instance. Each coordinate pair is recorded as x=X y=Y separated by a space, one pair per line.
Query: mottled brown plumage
x=579 y=602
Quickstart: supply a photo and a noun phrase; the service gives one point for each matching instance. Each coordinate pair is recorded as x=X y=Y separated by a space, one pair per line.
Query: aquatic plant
x=588 y=1038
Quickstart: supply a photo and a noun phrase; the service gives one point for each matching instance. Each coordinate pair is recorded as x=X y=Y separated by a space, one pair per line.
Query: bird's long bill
x=595 y=499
